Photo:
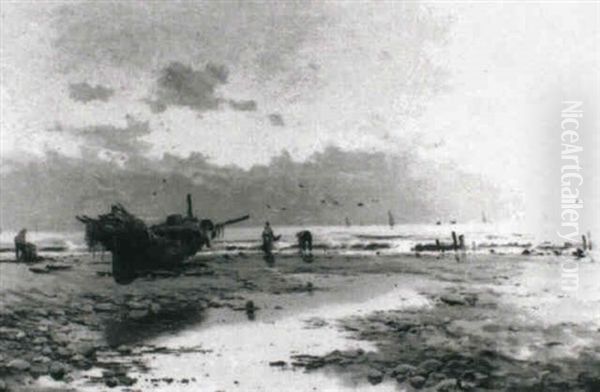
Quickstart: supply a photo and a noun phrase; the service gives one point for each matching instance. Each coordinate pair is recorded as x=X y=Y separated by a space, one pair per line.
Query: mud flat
x=229 y=322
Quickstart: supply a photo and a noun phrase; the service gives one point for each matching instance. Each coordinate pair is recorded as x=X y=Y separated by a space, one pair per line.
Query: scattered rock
x=57 y=370
x=154 y=308
x=453 y=300
x=137 y=314
x=137 y=305
x=39 y=270
x=590 y=381
x=375 y=376
x=84 y=349
x=417 y=381
x=127 y=381
x=19 y=364
x=447 y=385
x=111 y=382
x=403 y=371
x=103 y=307
x=429 y=365
x=124 y=349
x=41 y=359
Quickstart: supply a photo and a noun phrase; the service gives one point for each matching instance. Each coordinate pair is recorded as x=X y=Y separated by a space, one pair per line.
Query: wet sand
x=490 y=322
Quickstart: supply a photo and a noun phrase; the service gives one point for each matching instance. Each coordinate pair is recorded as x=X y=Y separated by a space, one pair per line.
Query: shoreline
x=76 y=320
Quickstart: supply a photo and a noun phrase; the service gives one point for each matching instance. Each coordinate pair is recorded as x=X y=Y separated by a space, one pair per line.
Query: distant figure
x=20 y=243
x=391 y=219
x=304 y=242
x=24 y=251
x=267 y=239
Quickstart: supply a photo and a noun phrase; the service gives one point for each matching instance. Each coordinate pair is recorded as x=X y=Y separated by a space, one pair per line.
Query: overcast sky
x=473 y=84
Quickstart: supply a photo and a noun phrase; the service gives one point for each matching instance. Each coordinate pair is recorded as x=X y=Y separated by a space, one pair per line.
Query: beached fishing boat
x=137 y=247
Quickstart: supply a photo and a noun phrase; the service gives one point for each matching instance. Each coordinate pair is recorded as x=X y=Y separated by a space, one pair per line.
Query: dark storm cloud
x=149 y=187
x=84 y=92
x=276 y=120
x=180 y=85
x=243 y=106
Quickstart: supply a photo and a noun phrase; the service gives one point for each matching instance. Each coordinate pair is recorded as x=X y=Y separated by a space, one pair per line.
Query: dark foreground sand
x=490 y=322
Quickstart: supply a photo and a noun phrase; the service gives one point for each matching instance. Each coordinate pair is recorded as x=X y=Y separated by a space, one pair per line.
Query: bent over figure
x=304 y=242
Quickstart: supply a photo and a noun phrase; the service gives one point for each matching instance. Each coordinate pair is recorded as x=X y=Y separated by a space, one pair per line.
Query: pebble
x=448 y=385
x=453 y=300
x=57 y=370
x=137 y=314
x=19 y=364
x=403 y=371
x=417 y=381
x=41 y=359
x=127 y=381
x=83 y=348
x=111 y=382
x=375 y=376
x=429 y=365
x=137 y=305
x=124 y=349
x=103 y=307
x=155 y=308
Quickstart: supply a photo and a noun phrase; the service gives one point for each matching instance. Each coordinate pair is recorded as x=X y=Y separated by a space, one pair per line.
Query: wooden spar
x=190 y=213
x=234 y=220
x=454 y=241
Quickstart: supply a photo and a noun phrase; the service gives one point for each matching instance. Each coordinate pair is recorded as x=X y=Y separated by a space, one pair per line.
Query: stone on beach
x=403 y=371
x=417 y=381
x=19 y=364
x=375 y=376
x=57 y=370
x=453 y=299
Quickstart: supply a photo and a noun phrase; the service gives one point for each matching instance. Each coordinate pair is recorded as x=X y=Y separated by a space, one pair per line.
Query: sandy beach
x=230 y=322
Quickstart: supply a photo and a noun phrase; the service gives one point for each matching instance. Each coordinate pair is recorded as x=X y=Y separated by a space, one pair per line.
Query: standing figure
x=24 y=250
x=267 y=244
x=304 y=242
x=267 y=239
x=20 y=243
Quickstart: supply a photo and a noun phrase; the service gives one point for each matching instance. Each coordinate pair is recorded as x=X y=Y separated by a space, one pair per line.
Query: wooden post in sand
x=455 y=245
x=454 y=241
x=438 y=246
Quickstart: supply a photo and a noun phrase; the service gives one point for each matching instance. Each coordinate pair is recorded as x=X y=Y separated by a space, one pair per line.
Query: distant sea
x=384 y=240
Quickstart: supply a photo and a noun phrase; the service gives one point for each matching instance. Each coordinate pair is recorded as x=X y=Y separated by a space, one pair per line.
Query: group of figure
x=304 y=238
